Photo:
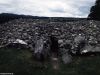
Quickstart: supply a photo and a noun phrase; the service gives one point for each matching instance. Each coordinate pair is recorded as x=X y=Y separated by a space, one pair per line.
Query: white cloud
x=54 y=8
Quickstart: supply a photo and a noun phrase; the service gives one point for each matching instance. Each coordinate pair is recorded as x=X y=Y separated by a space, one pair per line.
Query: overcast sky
x=51 y=8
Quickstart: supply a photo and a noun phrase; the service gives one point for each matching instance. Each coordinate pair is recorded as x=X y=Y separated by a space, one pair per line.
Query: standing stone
x=42 y=49
x=65 y=48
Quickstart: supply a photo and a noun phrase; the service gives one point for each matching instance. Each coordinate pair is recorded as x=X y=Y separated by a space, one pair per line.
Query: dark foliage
x=95 y=11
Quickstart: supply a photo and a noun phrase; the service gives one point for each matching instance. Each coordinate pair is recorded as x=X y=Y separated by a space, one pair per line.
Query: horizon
x=39 y=16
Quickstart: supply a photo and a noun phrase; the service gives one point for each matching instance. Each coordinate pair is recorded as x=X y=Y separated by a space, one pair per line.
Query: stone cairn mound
x=46 y=39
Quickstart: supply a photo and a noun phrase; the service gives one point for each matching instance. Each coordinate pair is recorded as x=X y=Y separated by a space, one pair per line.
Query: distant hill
x=5 y=17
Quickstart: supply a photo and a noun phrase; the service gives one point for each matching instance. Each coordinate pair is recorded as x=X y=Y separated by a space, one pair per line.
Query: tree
x=95 y=11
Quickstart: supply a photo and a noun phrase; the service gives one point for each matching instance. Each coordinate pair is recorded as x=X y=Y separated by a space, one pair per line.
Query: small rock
x=66 y=58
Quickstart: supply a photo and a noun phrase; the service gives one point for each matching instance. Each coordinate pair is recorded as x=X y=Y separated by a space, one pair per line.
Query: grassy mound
x=21 y=62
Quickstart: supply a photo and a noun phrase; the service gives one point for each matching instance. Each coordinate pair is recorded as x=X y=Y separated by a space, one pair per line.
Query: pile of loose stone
x=73 y=37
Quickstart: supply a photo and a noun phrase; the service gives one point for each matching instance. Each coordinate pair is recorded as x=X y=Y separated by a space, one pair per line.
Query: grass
x=21 y=62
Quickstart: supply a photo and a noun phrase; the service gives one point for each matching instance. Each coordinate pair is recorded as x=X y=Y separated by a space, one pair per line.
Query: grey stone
x=42 y=49
x=66 y=58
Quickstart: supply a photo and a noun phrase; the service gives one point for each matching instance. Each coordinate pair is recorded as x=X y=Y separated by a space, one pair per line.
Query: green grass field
x=21 y=62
